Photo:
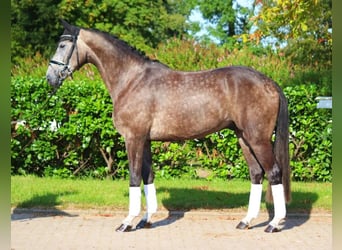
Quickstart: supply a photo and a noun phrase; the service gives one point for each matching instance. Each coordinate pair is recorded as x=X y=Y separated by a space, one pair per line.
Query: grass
x=178 y=194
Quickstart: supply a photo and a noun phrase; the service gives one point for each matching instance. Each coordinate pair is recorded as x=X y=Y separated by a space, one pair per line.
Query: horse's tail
x=281 y=147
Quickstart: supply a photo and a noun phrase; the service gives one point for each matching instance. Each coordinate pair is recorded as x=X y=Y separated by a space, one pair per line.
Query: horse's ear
x=65 y=24
x=69 y=28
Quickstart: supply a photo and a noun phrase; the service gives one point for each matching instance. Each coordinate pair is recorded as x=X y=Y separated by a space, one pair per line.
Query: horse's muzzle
x=55 y=78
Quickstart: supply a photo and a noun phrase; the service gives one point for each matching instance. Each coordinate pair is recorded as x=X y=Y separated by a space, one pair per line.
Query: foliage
x=307 y=37
x=143 y=24
x=187 y=54
x=289 y=19
x=72 y=135
x=35 y=28
x=227 y=19
x=31 y=21
x=310 y=135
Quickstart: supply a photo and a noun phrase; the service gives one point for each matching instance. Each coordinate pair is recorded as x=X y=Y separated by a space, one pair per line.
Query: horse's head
x=66 y=59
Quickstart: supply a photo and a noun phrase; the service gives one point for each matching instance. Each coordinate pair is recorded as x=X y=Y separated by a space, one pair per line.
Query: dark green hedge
x=85 y=143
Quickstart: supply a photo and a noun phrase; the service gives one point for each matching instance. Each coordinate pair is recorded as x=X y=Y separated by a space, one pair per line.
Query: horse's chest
x=132 y=118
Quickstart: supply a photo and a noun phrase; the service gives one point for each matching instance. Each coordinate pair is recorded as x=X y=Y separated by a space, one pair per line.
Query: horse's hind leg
x=149 y=188
x=262 y=150
x=256 y=175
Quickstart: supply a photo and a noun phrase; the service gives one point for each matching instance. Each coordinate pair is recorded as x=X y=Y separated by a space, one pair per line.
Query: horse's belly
x=189 y=114
x=187 y=127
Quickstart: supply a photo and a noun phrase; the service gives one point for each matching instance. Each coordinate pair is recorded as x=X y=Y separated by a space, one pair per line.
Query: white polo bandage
x=134 y=201
x=151 y=198
x=254 y=202
x=279 y=201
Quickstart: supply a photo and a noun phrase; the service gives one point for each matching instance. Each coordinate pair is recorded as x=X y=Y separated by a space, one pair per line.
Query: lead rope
x=46 y=101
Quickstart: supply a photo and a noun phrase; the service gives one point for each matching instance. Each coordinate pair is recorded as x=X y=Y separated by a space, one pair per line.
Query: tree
x=227 y=17
x=144 y=24
x=34 y=27
x=141 y=23
x=303 y=27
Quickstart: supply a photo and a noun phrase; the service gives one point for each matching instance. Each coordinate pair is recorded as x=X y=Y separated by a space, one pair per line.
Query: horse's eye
x=62 y=45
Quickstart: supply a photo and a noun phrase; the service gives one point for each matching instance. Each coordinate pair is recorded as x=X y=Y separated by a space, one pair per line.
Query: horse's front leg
x=149 y=188
x=135 y=148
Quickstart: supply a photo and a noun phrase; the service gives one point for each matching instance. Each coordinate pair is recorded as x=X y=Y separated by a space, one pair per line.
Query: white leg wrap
x=151 y=199
x=134 y=205
x=254 y=203
x=279 y=204
x=134 y=201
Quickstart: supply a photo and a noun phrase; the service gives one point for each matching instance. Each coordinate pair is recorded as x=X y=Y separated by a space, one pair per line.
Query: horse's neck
x=115 y=69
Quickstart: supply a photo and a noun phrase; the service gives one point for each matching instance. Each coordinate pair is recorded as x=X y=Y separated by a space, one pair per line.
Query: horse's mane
x=123 y=45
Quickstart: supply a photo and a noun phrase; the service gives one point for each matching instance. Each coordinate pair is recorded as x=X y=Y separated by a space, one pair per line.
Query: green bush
x=85 y=143
x=310 y=134
x=189 y=55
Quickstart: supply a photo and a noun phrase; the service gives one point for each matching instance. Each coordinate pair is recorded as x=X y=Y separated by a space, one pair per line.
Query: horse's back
x=194 y=104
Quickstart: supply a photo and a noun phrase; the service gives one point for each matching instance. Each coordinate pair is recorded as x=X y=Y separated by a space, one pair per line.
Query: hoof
x=272 y=229
x=124 y=228
x=242 y=225
x=143 y=224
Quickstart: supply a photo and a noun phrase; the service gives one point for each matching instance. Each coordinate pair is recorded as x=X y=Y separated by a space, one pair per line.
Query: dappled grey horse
x=153 y=102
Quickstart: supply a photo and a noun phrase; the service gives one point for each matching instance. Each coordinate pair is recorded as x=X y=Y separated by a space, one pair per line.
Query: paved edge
x=110 y=213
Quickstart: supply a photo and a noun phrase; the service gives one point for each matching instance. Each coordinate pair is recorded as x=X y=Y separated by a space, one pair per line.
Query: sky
x=245 y=3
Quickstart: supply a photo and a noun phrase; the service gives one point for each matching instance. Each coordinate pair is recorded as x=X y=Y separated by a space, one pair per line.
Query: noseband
x=66 y=71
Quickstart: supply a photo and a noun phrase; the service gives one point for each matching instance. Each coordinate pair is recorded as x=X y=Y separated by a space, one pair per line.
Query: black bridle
x=66 y=70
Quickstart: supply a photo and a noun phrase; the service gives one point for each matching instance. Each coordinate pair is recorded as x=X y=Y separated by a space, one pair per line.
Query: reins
x=51 y=94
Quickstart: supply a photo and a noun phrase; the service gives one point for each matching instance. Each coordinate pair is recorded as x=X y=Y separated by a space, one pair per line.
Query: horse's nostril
x=48 y=78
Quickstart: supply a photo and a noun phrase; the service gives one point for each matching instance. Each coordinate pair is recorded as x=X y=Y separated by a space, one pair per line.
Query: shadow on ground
x=299 y=209
x=39 y=206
